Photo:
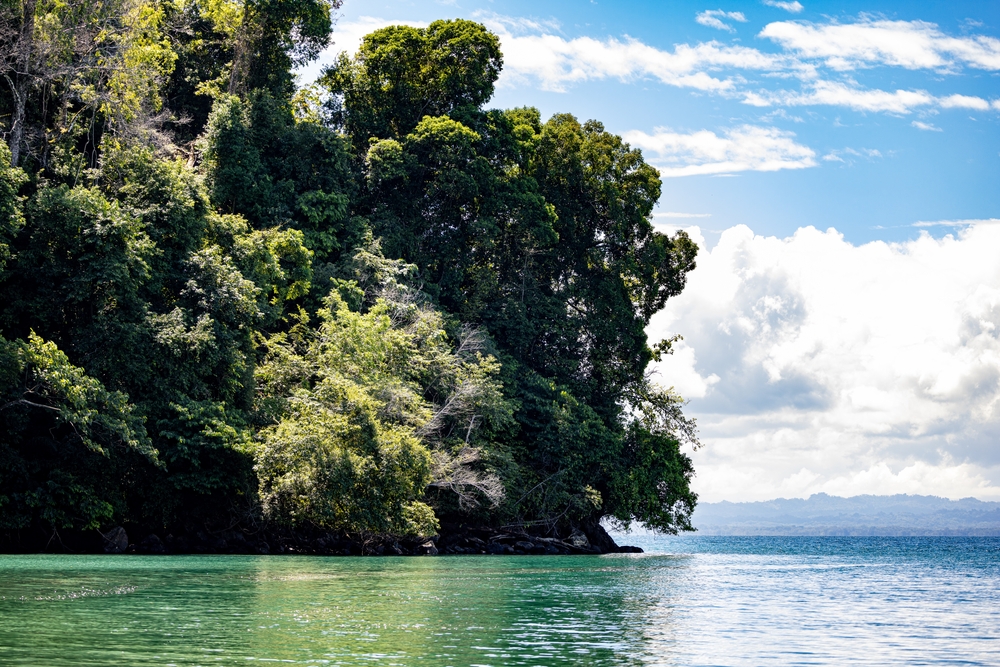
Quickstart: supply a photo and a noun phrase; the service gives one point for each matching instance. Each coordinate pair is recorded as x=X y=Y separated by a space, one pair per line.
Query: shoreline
x=590 y=539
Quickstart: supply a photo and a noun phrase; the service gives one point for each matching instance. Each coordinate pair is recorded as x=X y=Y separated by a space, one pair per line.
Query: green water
x=687 y=602
x=345 y=611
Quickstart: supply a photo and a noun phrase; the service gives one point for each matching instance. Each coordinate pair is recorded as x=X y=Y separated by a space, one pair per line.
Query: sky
x=838 y=163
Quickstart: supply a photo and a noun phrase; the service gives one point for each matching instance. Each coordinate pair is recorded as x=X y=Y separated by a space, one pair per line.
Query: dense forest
x=370 y=308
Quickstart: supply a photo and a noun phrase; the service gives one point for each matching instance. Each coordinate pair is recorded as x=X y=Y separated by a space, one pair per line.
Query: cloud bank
x=745 y=148
x=814 y=54
x=816 y=365
x=867 y=43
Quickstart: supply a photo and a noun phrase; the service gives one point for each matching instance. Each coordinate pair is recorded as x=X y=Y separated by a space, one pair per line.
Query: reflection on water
x=59 y=610
x=711 y=601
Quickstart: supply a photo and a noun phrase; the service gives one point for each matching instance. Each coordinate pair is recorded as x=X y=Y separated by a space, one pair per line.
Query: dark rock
x=210 y=543
x=450 y=540
x=499 y=549
x=578 y=539
x=629 y=550
x=427 y=549
x=151 y=544
x=599 y=537
x=521 y=545
x=115 y=541
x=537 y=547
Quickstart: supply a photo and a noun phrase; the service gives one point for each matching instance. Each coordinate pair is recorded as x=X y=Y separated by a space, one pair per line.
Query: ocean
x=687 y=601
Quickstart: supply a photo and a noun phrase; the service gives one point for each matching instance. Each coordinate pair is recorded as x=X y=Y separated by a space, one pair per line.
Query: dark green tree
x=68 y=447
x=540 y=233
x=402 y=74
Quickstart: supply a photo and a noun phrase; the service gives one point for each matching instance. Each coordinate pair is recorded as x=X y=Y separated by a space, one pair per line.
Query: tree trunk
x=22 y=78
x=242 y=54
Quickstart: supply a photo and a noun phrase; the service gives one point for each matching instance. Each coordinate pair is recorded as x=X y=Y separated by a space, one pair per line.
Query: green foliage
x=78 y=266
x=270 y=168
x=273 y=37
x=401 y=74
x=67 y=443
x=540 y=232
x=365 y=306
x=367 y=408
x=11 y=215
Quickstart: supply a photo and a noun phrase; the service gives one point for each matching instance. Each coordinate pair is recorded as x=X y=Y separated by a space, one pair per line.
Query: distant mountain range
x=821 y=514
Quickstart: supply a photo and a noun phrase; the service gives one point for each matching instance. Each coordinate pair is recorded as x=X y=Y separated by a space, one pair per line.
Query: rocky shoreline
x=458 y=539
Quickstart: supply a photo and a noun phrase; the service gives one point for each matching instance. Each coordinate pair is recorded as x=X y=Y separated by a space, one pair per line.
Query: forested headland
x=242 y=315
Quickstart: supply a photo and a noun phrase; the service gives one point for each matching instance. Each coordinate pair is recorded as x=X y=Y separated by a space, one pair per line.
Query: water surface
x=692 y=601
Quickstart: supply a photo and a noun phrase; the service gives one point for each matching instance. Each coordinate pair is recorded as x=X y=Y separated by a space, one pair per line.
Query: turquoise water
x=693 y=601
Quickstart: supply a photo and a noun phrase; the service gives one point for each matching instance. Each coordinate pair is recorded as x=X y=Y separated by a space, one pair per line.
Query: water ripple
x=701 y=601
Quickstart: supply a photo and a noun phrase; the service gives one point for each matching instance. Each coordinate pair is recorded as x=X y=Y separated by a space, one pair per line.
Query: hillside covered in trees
x=236 y=310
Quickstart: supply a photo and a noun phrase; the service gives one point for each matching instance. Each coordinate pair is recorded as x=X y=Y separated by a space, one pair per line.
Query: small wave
x=86 y=593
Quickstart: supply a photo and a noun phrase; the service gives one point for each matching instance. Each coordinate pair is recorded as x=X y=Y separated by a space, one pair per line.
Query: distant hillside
x=821 y=514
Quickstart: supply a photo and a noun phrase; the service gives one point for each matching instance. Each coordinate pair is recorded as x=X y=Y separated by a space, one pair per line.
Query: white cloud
x=836 y=93
x=927 y=127
x=946 y=478
x=536 y=53
x=964 y=102
x=533 y=52
x=744 y=148
x=851 y=153
x=713 y=18
x=909 y=44
x=958 y=223
x=793 y=7
x=872 y=368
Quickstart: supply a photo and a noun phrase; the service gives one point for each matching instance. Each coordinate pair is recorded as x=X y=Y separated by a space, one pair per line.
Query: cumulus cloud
x=841 y=94
x=556 y=62
x=816 y=365
x=535 y=52
x=744 y=148
x=964 y=102
x=793 y=7
x=713 y=18
x=908 y=44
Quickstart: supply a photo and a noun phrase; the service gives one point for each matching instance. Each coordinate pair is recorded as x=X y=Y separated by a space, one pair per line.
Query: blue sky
x=839 y=163
x=874 y=172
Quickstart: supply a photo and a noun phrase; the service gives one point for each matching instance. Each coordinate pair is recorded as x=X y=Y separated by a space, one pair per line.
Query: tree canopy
x=367 y=306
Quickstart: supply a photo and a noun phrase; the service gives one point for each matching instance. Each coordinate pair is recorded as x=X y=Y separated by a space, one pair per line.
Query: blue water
x=688 y=601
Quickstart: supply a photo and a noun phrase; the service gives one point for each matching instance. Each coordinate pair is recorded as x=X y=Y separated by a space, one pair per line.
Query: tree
x=68 y=445
x=369 y=410
x=369 y=306
x=539 y=232
x=75 y=69
x=401 y=74
x=273 y=37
